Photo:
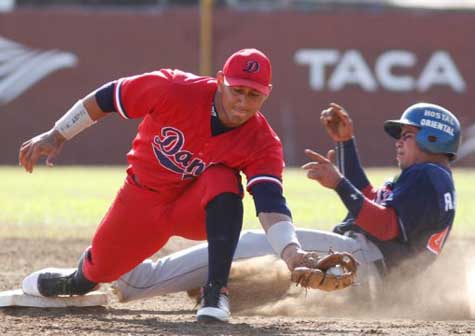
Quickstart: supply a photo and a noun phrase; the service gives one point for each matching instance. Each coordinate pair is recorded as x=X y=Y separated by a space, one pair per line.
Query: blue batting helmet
x=439 y=129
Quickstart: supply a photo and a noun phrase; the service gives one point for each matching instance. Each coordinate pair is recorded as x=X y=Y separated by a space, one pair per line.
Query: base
x=16 y=297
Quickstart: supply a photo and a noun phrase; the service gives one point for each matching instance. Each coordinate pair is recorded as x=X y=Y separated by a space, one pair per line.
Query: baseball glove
x=337 y=270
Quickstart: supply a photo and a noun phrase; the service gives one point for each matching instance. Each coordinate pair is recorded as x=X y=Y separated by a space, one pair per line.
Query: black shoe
x=56 y=282
x=214 y=304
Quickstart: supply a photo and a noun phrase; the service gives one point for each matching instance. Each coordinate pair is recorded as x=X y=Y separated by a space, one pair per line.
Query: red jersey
x=174 y=143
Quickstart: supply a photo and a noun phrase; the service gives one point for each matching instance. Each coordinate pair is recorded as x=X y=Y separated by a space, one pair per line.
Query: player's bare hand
x=337 y=122
x=322 y=169
x=47 y=144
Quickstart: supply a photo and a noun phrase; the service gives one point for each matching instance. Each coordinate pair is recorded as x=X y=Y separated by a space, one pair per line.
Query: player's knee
x=227 y=179
x=220 y=180
x=102 y=267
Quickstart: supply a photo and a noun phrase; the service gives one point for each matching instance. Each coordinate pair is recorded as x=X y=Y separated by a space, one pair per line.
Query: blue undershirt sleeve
x=105 y=97
x=351 y=197
x=349 y=164
x=268 y=198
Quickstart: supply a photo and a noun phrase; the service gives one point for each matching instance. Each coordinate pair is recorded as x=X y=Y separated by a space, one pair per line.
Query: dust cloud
x=444 y=291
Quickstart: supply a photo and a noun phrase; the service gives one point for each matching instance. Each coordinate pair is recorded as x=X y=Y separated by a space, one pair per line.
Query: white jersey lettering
x=449 y=204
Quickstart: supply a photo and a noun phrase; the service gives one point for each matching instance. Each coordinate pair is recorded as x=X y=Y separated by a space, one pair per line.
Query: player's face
x=407 y=150
x=240 y=103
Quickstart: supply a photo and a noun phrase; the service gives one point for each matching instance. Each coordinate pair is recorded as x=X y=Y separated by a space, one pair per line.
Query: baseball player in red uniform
x=196 y=135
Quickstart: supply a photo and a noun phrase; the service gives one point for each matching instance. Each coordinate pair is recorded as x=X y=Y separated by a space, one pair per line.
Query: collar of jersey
x=217 y=126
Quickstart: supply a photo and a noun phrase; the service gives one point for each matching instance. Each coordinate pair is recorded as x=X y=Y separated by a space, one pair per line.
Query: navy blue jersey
x=423 y=197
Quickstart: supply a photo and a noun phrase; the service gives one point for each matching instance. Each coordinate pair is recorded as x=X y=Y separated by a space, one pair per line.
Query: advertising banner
x=373 y=63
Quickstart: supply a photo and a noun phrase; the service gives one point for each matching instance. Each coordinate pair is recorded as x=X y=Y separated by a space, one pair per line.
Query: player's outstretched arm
x=281 y=235
x=81 y=115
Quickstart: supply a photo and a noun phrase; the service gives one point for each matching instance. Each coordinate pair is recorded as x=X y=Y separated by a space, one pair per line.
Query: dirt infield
x=416 y=308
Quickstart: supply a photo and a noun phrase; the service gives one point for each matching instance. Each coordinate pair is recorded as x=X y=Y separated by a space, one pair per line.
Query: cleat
x=214 y=304
x=51 y=282
x=31 y=284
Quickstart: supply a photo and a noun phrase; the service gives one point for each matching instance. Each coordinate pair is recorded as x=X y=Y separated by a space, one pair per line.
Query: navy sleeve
x=351 y=197
x=105 y=97
x=268 y=198
x=349 y=164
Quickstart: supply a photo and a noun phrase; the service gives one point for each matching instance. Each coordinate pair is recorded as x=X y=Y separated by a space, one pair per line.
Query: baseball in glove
x=335 y=271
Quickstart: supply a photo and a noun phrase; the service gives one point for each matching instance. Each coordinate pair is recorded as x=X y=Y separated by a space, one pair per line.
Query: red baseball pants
x=139 y=222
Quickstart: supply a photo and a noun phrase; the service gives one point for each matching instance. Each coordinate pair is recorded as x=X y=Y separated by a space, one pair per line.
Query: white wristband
x=280 y=235
x=74 y=121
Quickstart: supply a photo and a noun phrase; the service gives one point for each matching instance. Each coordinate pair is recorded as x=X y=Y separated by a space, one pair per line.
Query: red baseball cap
x=250 y=68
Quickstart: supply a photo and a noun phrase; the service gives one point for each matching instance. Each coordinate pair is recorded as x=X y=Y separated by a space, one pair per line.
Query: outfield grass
x=68 y=202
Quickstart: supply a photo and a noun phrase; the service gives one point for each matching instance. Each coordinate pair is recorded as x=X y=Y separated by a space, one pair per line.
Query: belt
x=137 y=182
